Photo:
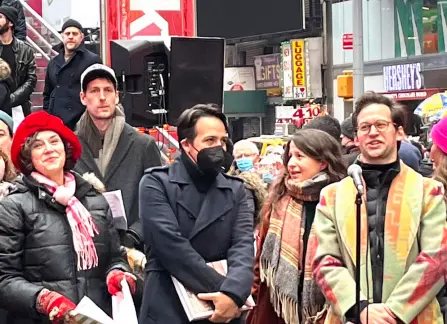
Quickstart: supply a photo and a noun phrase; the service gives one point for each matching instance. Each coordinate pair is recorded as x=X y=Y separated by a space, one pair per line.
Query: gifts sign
x=267 y=71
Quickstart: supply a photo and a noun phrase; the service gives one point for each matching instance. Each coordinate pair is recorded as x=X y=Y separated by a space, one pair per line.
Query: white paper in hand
x=116 y=203
x=17 y=116
x=123 y=308
x=88 y=312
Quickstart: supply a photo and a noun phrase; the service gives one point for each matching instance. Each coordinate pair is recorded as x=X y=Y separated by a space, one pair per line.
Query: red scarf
x=79 y=218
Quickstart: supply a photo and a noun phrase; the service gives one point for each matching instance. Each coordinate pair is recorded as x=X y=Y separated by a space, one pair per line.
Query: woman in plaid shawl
x=284 y=289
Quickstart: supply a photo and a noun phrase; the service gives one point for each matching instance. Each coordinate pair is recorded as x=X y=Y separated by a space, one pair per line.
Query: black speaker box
x=141 y=67
x=196 y=73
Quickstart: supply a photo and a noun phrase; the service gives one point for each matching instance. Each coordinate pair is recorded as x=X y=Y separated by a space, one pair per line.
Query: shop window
x=420 y=26
x=430 y=26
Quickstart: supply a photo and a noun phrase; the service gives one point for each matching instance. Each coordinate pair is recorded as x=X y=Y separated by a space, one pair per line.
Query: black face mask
x=211 y=159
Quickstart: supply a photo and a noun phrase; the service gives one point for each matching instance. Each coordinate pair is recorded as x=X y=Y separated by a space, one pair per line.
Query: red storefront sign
x=348 y=41
x=412 y=94
x=130 y=19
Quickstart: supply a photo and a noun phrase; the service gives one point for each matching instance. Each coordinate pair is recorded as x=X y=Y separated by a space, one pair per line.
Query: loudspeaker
x=196 y=74
x=141 y=67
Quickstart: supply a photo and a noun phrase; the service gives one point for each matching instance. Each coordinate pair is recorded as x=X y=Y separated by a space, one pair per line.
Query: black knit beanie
x=72 y=23
x=10 y=13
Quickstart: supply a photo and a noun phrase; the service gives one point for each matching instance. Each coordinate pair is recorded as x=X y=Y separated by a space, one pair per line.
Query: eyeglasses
x=380 y=125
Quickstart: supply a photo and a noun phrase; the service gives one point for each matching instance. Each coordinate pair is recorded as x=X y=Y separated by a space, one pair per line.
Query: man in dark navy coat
x=192 y=214
x=63 y=79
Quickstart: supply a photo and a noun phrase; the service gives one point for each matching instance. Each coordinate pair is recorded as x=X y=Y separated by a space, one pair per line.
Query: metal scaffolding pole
x=328 y=55
x=357 y=24
x=103 y=31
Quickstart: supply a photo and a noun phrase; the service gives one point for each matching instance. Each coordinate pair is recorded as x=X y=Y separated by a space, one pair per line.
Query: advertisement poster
x=299 y=69
x=138 y=19
x=239 y=79
x=268 y=71
x=287 y=71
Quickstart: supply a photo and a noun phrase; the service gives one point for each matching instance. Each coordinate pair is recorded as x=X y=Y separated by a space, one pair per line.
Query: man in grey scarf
x=112 y=149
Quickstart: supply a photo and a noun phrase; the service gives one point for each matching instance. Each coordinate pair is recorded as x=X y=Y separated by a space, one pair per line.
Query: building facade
x=404 y=48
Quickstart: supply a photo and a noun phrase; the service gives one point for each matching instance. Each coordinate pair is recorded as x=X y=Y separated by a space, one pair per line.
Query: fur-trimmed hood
x=254 y=183
x=91 y=178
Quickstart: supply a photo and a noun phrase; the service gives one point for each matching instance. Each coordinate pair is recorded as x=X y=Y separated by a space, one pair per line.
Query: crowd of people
x=288 y=238
x=285 y=222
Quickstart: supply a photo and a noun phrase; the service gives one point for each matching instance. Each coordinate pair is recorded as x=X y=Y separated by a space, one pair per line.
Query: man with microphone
x=403 y=229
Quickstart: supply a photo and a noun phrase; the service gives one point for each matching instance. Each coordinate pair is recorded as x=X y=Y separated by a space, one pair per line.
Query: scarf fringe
x=284 y=306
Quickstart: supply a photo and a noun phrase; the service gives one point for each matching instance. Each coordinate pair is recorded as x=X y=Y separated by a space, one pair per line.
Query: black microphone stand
x=358 y=258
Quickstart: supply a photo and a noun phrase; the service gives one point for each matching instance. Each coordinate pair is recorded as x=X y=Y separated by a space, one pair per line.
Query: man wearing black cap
x=62 y=82
x=20 y=57
x=20 y=26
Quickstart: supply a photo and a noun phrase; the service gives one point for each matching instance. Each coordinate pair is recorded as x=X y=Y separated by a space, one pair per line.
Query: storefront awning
x=418 y=95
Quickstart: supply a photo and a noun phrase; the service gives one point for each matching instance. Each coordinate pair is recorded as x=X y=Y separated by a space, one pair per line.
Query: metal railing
x=36 y=16
x=41 y=39
x=38 y=48
x=166 y=135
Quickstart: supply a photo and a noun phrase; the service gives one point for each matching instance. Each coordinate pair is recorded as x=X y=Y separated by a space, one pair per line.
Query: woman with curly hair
x=58 y=240
x=284 y=289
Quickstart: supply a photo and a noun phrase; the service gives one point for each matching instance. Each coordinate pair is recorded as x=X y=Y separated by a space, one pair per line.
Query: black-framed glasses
x=380 y=125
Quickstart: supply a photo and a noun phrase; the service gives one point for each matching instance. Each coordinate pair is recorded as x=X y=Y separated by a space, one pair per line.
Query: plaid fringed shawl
x=281 y=264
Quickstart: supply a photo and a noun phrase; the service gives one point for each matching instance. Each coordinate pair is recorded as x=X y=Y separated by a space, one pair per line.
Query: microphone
x=355 y=172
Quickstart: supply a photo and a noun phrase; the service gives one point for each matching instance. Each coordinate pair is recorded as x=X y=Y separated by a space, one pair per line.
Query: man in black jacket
x=20 y=57
x=62 y=82
x=20 y=27
x=193 y=214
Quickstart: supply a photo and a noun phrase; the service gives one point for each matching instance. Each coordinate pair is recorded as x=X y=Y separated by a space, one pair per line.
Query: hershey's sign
x=402 y=77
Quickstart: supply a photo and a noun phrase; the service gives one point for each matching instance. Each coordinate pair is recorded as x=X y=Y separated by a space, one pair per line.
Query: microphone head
x=354 y=169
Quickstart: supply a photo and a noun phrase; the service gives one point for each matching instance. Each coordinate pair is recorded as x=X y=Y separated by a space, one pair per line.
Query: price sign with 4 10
x=307 y=113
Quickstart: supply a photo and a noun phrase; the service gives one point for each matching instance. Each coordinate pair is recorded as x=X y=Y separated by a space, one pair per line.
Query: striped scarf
x=81 y=222
x=281 y=263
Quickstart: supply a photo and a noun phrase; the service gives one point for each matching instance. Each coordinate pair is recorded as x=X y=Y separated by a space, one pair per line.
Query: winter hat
x=439 y=135
x=347 y=129
x=4 y=117
x=97 y=71
x=10 y=13
x=72 y=23
x=37 y=122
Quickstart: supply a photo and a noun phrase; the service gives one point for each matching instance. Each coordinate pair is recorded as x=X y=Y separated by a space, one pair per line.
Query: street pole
x=103 y=31
x=328 y=55
x=357 y=24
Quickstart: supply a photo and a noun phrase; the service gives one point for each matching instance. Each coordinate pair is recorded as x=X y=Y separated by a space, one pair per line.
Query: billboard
x=267 y=71
x=286 y=70
x=235 y=18
x=133 y=19
x=299 y=69
x=239 y=79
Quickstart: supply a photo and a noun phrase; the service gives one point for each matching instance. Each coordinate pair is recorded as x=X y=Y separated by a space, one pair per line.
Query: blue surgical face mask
x=244 y=164
x=267 y=177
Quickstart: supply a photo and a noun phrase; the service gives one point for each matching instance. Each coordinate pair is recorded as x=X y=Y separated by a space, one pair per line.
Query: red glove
x=54 y=305
x=114 y=279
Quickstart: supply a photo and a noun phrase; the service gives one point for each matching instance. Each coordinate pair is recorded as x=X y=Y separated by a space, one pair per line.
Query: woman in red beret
x=57 y=238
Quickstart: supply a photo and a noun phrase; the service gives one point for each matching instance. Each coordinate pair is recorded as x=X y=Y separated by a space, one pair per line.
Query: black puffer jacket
x=36 y=250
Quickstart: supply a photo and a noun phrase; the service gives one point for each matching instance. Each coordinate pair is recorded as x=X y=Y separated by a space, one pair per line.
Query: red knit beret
x=37 y=122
